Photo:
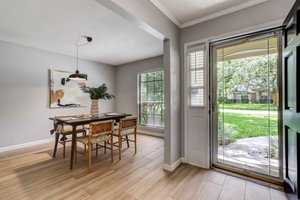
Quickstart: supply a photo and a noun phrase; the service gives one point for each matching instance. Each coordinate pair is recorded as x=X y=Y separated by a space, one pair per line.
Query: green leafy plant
x=98 y=92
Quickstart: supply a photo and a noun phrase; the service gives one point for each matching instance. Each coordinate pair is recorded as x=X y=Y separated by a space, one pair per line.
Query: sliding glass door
x=245 y=104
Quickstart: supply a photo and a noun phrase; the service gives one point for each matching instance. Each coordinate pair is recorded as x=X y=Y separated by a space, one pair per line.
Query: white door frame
x=185 y=91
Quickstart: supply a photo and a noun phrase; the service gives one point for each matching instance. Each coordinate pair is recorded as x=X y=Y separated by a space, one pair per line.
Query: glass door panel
x=247 y=105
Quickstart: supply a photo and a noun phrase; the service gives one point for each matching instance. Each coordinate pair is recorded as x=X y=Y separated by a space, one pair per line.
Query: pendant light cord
x=77 y=56
x=89 y=39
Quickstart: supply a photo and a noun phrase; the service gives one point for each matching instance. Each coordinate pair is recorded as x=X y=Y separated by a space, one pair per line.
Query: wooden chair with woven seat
x=127 y=126
x=63 y=131
x=98 y=132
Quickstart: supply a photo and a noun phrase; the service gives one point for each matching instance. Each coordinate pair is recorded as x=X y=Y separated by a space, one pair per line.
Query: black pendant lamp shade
x=78 y=76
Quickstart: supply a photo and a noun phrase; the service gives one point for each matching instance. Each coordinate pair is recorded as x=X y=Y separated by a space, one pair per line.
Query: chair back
x=128 y=123
x=102 y=127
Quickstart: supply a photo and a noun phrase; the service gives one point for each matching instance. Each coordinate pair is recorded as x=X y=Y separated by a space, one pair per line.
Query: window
x=151 y=99
x=196 y=76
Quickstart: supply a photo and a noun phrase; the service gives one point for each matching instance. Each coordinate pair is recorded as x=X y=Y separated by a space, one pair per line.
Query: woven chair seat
x=64 y=130
x=127 y=126
x=98 y=132
x=68 y=130
x=95 y=139
x=86 y=126
x=124 y=131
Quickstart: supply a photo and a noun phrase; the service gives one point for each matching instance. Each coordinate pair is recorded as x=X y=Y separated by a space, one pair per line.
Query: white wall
x=127 y=86
x=24 y=90
x=261 y=16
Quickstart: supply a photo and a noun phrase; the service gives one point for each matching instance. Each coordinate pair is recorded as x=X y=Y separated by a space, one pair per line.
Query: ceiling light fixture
x=78 y=76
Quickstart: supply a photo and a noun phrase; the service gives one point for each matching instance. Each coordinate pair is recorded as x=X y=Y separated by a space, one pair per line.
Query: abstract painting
x=64 y=92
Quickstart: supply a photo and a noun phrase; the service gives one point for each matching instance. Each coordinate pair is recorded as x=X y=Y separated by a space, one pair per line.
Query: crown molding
x=165 y=11
x=232 y=9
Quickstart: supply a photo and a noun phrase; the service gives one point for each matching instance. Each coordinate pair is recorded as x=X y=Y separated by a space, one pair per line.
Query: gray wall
x=127 y=87
x=263 y=13
x=145 y=15
x=126 y=82
x=24 y=89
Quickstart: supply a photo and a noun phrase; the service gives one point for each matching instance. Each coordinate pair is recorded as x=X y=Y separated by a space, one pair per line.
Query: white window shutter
x=196 y=62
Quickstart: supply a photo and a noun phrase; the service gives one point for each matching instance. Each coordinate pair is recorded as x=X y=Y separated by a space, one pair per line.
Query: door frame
x=207 y=40
x=213 y=97
x=291 y=115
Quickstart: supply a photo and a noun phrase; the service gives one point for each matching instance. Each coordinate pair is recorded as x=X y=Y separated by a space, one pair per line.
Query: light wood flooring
x=32 y=173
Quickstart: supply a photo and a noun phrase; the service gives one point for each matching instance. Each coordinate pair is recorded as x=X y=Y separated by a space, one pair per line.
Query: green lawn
x=247 y=106
x=250 y=125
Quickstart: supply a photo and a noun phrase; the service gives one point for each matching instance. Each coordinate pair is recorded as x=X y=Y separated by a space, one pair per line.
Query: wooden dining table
x=80 y=120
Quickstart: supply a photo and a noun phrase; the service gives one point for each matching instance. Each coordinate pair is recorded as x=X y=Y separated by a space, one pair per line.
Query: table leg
x=73 y=146
x=55 y=145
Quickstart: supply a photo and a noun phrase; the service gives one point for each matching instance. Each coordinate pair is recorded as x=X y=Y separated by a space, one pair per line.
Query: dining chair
x=127 y=126
x=62 y=131
x=98 y=132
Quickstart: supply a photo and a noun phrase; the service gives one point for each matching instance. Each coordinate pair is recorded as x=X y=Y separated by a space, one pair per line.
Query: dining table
x=83 y=119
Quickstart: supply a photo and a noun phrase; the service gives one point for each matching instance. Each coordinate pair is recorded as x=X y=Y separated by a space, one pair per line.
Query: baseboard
x=28 y=144
x=172 y=167
x=150 y=133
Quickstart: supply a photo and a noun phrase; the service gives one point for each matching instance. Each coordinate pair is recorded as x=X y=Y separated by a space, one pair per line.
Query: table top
x=86 y=119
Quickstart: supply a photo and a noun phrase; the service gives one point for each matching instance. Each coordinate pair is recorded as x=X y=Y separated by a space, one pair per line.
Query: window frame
x=139 y=97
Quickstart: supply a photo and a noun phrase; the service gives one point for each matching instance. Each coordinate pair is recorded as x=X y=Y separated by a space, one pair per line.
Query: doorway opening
x=245 y=104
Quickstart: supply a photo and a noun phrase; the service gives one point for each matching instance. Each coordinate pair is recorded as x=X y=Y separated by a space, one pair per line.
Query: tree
x=250 y=74
x=152 y=98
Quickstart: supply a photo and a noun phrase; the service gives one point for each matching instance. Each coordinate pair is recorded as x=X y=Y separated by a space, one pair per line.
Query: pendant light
x=78 y=76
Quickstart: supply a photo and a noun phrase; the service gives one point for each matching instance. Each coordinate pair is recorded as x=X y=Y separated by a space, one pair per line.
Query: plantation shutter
x=195 y=63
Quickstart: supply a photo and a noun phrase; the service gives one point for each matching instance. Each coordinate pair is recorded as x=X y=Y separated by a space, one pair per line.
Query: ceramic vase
x=95 y=107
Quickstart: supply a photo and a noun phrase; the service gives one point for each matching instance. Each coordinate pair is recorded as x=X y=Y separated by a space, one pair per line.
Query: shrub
x=274 y=147
x=226 y=134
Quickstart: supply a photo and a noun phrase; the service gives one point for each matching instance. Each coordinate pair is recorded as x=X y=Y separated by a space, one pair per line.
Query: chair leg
x=55 y=145
x=84 y=135
x=64 y=151
x=97 y=150
x=104 y=147
x=127 y=141
x=135 y=148
x=90 y=157
x=112 y=148
x=76 y=152
x=120 y=147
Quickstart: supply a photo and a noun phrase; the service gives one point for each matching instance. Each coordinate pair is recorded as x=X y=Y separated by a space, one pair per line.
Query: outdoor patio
x=250 y=154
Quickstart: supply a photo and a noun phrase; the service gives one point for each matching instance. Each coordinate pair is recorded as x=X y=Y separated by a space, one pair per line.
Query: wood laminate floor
x=31 y=173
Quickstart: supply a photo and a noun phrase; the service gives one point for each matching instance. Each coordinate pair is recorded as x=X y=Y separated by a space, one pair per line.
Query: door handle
x=213 y=106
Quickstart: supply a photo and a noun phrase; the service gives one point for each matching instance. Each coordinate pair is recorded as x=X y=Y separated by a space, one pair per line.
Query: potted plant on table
x=97 y=93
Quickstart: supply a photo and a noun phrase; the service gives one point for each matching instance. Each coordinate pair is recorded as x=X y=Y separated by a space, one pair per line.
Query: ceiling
x=257 y=47
x=190 y=12
x=56 y=25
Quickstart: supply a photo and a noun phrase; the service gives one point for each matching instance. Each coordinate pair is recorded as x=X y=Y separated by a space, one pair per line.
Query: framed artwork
x=64 y=92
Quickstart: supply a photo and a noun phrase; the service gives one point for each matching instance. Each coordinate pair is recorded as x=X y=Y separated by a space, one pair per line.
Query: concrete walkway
x=250 y=153
x=251 y=112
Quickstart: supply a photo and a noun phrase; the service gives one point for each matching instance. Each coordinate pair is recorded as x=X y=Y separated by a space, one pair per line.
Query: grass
x=247 y=106
x=250 y=125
